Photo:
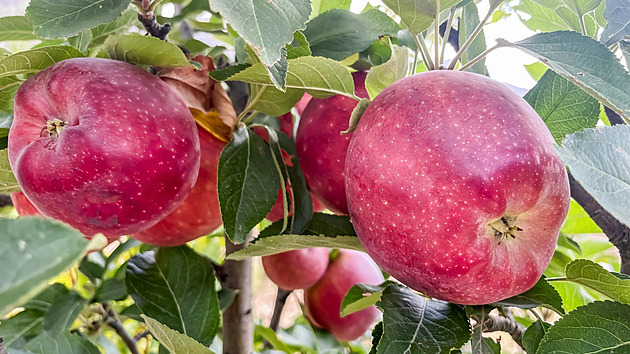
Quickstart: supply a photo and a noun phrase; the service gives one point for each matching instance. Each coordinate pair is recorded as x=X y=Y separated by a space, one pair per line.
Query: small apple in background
x=297 y=269
x=23 y=206
x=322 y=148
x=199 y=214
x=454 y=187
x=103 y=146
x=323 y=300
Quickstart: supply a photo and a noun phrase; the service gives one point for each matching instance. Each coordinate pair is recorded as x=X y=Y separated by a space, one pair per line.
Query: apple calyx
x=54 y=127
x=505 y=227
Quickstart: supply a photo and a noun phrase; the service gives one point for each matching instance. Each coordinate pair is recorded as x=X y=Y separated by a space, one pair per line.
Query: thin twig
x=140 y=335
x=111 y=319
x=146 y=16
x=505 y=324
x=436 y=34
x=415 y=62
x=474 y=35
x=480 y=56
x=426 y=56
x=447 y=34
x=582 y=25
x=281 y=300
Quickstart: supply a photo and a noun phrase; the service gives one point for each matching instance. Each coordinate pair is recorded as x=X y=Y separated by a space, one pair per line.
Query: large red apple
x=322 y=148
x=323 y=300
x=200 y=213
x=103 y=146
x=454 y=187
x=297 y=269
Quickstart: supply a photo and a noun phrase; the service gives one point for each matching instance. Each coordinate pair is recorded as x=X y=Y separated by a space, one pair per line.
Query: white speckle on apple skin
x=425 y=178
x=119 y=166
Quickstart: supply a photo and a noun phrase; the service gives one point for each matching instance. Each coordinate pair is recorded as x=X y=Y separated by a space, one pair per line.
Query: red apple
x=323 y=300
x=23 y=206
x=301 y=105
x=200 y=213
x=103 y=146
x=454 y=187
x=297 y=269
x=322 y=148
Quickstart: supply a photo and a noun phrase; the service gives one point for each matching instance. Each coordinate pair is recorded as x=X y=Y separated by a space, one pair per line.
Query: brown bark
x=238 y=319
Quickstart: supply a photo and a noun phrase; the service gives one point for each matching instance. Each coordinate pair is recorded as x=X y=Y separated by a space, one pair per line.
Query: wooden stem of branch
x=618 y=233
x=111 y=319
x=153 y=27
x=238 y=319
x=5 y=200
x=2 y=350
x=281 y=300
x=505 y=324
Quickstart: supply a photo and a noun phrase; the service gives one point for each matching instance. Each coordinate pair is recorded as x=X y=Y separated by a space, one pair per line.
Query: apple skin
x=436 y=158
x=322 y=148
x=127 y=157
x=323 y=300
x=301 y=105
x=23 y=206
x=297 y=269
x=199 y=214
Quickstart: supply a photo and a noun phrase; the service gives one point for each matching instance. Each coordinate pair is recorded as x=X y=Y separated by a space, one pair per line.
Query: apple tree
x=150 y=150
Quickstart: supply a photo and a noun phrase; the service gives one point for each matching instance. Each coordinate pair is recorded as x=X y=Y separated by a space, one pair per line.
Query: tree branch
x=111 y=319
x=238 y=320
x=281 y=300
x=618 y=233
x=2 y=350
x=146 y=16
x=505 y=324
x=5 y=200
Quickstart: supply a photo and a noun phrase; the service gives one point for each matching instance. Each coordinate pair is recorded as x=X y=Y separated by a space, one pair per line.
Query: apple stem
x=447 y=34
x=426 y=57
x=111 y=319
x=281 y=300
x=480 y=56
x=436 y=34
x=493 y=6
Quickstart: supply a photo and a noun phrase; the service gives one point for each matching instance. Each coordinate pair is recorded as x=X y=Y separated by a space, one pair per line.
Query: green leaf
x=617 y=14
x=582 y=7
x=396 y=68
x=541 y=18
x=625 y=49
x=379 y=52
x=417 y=15
x=54 y=246
x=61 y=343
x=357 y=113
x=533 y=335
x=578 y=221
x=273 y=102
x=28 y=324
x=598 y=159
x=320 y=77
x=564 y=107
x=573 y=21
x=111 y=290
x=542 y=294
x=102 y=32
x=377 y=334
x=362 y=296
x=224 y=74
x=65 y=18
x=145 y=50
x=599 y=327
x=299 y=47
x=270 y=336
x=479 y=343
x=8 y=183
x=174 y=341
x=536 y=70
x=16 y=28
x=467 y=24
x=337 y=34
x=247 y=183
x=572 y=55
x=8 y=87
x=81 y=41
x=567 y=242
x=34 y=60
x=265 y=25
x=63 y=312
x=594 y=276
x=278 y=71
x=321 y=6
x=176 y=286
x=414 y=324
x=287 y=242
x=321 y=224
